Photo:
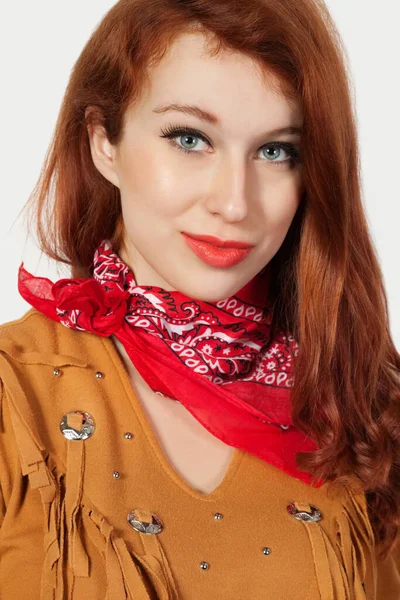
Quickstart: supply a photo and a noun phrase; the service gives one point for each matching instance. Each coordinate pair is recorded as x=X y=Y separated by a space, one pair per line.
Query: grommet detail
x=144 y=526
x=266 y=551
x=77 y=425
x=218 y=516
x=56 y=372
x=99 y=375
x=116 y=475
x=128 y=435
x=299 y=511
x=204 y=565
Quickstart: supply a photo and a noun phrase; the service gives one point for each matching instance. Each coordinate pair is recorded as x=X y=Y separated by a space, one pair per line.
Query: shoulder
x=24 y=327
x=34 y=338
x=34 y=331
x=33 y=349
x=34 y=352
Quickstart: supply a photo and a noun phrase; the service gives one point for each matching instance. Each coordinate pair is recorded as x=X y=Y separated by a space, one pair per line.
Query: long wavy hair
x=326 y=285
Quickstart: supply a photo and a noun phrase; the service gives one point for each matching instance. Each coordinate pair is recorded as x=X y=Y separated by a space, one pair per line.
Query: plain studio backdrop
x=39 y=44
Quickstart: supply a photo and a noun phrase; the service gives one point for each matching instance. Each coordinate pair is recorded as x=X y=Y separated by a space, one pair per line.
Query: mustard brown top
x=65 y=502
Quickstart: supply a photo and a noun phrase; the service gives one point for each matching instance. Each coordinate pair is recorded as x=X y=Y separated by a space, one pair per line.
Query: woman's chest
x=197 y=456
x=239 y=541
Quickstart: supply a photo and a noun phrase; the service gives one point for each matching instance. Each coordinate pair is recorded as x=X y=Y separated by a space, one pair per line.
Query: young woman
x=209 y=406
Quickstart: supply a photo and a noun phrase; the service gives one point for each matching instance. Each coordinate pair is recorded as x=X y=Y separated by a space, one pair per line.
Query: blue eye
x=172 y=132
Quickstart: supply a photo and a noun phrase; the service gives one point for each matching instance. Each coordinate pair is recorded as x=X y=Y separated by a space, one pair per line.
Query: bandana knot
x=83 y=304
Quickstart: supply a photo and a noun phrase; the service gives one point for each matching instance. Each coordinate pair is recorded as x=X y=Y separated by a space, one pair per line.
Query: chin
x=205 y=295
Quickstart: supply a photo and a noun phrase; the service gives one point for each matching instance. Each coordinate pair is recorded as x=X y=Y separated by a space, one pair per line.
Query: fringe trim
x=68 y=514
x=119 y=561
x=345 y=568
x=31 y=456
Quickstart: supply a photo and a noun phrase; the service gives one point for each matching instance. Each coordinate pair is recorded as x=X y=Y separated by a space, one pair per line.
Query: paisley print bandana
x=217 y=359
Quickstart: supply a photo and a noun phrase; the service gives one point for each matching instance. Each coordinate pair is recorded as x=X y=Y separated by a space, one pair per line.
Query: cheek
x=150 y=184
x=280 y=210
x=278 y=219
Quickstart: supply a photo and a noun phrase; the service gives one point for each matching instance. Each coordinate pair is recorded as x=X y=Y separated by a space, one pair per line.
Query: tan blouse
x=91 y=508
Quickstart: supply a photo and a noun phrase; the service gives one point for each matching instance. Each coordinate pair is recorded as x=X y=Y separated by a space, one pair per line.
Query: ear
x=103 y=153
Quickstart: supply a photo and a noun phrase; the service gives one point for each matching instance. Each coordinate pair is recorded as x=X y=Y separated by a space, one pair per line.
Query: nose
x=230 y=193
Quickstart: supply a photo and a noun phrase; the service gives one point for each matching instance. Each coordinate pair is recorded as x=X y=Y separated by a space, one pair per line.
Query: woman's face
x=234 y=184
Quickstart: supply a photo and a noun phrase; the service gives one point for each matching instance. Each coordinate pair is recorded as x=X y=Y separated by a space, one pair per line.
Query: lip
x=210 y=239
x=215 y=255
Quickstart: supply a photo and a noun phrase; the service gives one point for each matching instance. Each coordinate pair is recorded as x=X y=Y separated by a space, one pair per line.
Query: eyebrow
x=204 y=115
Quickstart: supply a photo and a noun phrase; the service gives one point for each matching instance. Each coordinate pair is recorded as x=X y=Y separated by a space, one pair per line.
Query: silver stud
x=304 y=515
x=99 y=375
x=128 y=436
x=144 y=526
x=204 y=565
x=218 y=516
x=116 y=474
x=56 y=372
x=77 y=425
x=266 y=551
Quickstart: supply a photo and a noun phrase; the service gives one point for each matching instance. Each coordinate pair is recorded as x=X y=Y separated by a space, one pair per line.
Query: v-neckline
x=237 y=456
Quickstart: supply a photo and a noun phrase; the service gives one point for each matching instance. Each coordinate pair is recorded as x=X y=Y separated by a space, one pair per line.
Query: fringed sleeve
x=32 y=461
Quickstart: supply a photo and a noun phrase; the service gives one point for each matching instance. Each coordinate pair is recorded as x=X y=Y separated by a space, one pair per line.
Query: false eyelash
x=172 y=131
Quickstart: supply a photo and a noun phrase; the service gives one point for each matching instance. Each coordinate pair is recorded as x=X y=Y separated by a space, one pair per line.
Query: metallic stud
x=77 y=425
x=144 y=526
x=56 y=372
x=99 y=375
x=266 y=551
x=128 y=435
x=218 y=516
x=304 y=515
x=116 y=474
x=204 y=565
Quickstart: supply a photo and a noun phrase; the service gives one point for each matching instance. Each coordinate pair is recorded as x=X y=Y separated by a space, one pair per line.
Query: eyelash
x=172 y=131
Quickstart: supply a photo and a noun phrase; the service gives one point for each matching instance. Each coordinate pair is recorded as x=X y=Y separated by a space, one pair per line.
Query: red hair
x=328 y=289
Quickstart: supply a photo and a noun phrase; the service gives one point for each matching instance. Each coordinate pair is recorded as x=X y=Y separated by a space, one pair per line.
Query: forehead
x=230 y=84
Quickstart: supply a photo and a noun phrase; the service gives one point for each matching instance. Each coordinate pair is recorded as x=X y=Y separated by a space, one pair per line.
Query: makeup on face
x=217 y=256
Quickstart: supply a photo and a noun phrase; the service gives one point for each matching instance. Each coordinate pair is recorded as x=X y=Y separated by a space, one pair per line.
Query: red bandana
x=217 y=359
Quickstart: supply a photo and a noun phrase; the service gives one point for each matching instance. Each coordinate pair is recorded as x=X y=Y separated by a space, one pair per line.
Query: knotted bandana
x=217 y=359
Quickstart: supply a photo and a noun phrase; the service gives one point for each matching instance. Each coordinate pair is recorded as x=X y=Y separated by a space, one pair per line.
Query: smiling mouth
x=214 y=241
x=214 y=255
